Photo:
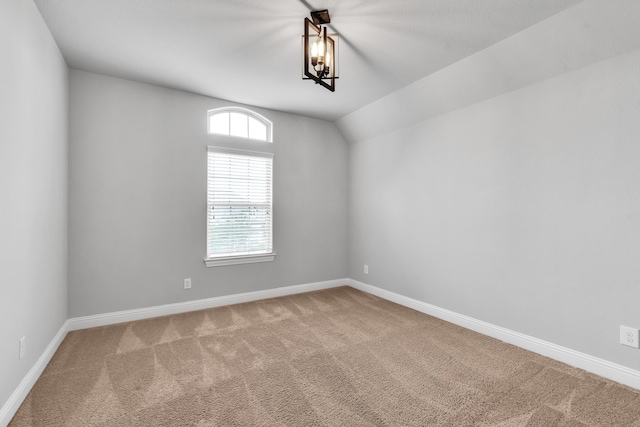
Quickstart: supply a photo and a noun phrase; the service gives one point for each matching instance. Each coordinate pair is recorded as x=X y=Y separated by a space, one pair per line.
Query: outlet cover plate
x=629 y=336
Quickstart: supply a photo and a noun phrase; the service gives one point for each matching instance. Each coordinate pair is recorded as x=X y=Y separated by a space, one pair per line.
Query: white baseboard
x=182 y=307
x=10 y=407
x=595 y=365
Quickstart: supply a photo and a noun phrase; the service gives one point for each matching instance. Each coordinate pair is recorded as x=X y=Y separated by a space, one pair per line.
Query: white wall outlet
x=629 y=336
x=366 y=269
x=187 y=283
x=21 y=346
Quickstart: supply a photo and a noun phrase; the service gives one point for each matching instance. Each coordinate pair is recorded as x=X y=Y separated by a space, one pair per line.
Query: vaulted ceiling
x=249 y=51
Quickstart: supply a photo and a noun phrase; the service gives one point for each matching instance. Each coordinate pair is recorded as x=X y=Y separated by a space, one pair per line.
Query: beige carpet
x=330 y=358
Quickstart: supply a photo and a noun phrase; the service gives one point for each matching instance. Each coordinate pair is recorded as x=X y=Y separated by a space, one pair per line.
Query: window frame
x=231 y=144
x=249 y=114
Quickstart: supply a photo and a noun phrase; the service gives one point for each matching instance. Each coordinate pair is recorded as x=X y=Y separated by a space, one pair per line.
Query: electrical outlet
x=629 y=336
x=21 y=344
x=187 y=283
x=366 y=269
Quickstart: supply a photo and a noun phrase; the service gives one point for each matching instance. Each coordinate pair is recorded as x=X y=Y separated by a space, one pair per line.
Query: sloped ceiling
x=585 y=34
x=249 y=51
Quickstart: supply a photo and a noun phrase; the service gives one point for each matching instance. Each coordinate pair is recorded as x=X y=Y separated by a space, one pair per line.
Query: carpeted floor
x=339 y=357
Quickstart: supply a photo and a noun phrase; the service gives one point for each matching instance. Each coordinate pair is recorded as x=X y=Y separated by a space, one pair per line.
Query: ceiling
x=249 y=51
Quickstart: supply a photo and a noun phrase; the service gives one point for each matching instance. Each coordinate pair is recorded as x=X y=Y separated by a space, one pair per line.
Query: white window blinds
x=239 y=220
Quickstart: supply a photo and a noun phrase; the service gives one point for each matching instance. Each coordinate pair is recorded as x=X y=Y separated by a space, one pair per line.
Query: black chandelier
x=320 y=48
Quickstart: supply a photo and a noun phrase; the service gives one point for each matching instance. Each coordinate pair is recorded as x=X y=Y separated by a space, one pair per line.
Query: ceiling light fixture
x=320 y=51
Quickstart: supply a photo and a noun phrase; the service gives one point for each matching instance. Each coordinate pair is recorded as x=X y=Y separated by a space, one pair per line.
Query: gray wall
x=33 y=189
x=522 y=210
x=138 y=199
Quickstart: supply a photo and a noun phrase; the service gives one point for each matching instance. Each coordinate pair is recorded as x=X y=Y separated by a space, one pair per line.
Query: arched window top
x=239 y=122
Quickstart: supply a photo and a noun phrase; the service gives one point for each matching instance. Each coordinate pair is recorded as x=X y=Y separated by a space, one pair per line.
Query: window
x=239 y=122
x=239 y=191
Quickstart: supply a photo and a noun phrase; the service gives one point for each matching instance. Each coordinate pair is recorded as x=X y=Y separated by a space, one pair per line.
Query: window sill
x=243 y=259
